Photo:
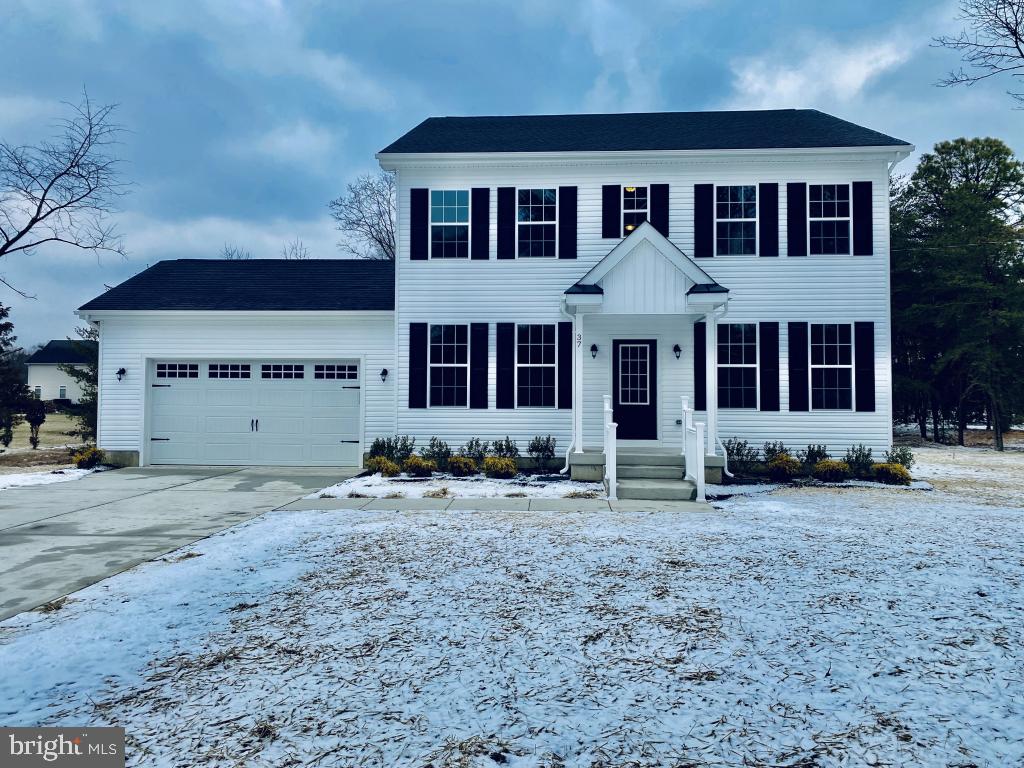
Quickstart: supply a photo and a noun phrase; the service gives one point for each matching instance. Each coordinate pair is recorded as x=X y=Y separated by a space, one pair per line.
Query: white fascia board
x=101 y=314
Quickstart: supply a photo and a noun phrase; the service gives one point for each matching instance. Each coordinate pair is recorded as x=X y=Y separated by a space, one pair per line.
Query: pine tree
x=87 y=376
x=13 y=393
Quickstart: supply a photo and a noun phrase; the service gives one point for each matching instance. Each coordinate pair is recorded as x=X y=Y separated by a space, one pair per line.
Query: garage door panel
x=177 y=394
x=272 y=426
x=341 y=425
x=221 y=451
x=229 y=397
x=336 y=398
x=288 y=396
x=174 y=423
x=229 y=425
x=341 y=454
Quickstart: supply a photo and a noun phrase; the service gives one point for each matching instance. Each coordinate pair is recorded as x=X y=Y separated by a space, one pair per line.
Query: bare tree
x=991 y=44
x=295 y=250
x=365 y=214
x=233 y=252
x=63 y=190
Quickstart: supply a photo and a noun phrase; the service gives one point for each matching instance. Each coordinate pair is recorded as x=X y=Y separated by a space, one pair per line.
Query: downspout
x=575 y=405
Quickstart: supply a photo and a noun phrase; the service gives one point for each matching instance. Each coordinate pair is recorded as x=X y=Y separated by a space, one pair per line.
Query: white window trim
x=618 y=384
x=756 y=365
x=536 y=365
x=469 y=224
x=811 y=366
x=555 y=222
x=622 y=207
x=756 y=220
x=431 y=365
x=849 y=187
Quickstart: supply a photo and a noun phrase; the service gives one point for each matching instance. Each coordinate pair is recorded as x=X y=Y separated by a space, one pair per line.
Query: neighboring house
x=45 y=378
x=738 y=259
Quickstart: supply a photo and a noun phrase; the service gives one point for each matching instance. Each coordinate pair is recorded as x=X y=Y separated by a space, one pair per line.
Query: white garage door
x=273 y=412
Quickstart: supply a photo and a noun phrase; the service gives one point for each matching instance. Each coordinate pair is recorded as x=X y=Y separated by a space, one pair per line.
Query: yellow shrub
x=784 y=468
x=87 y=458
x=417 y=466
x=891 y=474
x=831 y=471
x=462 y=466
x=500 y=467
x=382 y=465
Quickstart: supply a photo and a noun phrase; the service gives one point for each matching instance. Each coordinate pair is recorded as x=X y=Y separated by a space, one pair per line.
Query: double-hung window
x=537 y=216
x=736 y=220
x=449 y=223
x=634 y=208
x=737 y=365
x=829 y=218
x=449 y=365
x=535 y=366
x=831 y=366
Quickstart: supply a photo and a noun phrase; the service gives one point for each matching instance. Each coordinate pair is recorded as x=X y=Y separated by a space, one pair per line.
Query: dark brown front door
x=635 y=388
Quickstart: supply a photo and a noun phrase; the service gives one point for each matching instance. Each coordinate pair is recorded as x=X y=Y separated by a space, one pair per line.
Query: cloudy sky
x=247 y=116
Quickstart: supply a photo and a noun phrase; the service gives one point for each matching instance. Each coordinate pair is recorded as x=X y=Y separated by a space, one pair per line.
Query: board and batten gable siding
x=127 y=340
x=762 y=289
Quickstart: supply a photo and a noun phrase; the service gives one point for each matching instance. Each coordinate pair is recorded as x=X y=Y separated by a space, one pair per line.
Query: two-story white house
x=739 y=260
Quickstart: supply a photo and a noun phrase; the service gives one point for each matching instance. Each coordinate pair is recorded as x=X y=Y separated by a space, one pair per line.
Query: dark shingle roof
x=255 y=284
x=64 y=351
x=762 y=129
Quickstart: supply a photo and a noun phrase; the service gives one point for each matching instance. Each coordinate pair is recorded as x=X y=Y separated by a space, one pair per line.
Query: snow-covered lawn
x=478 y=487
x=22 y=479
x=802 y=627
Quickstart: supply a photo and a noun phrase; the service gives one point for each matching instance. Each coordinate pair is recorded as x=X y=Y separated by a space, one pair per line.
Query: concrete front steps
x=653 y=476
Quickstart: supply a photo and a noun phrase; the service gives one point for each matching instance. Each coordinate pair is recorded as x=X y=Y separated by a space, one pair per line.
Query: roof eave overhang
x=99 y=314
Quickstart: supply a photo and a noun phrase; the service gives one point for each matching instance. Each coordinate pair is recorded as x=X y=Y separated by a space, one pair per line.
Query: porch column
x=577 y=382
x=711 y=377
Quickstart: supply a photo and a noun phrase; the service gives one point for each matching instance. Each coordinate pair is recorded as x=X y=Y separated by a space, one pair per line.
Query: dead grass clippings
x=53 y=605
x=437 y=493
x=582 y=495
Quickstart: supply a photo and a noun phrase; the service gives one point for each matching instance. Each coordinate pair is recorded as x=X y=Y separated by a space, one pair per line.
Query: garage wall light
x=593 y=351
x=677 y=351
x=120 y=373
x=383 y=375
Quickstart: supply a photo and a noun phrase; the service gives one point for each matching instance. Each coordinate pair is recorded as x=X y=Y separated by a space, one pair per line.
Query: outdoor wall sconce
x=677 y=351
x=593 y=351
x=383 y=375
x=120 y=373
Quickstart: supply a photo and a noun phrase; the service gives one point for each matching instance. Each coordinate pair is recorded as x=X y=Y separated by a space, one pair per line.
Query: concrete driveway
x=58 y=538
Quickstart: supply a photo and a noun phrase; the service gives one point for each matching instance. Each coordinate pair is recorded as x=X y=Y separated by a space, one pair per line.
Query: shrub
x=772 y=450
x=900 y=454
x=417 y=466
x=475 y=450
x=382 y=465
x=462 y=466
x=783 y=468
x=35 y=415
x=813 y=455
x=860 y=461
x=398 y=448
x=437 y=452
x=505 y=449
x=542 y=451
x=87 y=458
x=500 y=467
x=831 y=471
x=742 y=457
x=891 y=473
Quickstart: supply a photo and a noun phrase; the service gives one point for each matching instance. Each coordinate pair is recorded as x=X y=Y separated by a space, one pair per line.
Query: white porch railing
x=610 y=458
x=693 y=448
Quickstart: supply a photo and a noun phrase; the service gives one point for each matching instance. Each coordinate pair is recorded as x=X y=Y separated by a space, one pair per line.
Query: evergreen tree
x=13 y=392
x=87 y=376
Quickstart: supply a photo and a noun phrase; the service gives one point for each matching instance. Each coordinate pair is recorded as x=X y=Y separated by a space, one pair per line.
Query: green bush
x=382 y=465
x=417 y=466
x=783 y=468
x=437 y=452
x=813 y=455
x=860 y=461
x=742 y=457
x=500 y=467
x=462 y=466
x=891 y=473
x=772 y=450
x=542 y=451
x=398 y=448
x=900 y=454
x=831 y=471
x=475 y=449
x=35 y=415
x=87 y=458
x=505 y=449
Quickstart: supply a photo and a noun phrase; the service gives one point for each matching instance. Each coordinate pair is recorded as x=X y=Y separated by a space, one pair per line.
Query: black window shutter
x=768 y=351
x=796 y=219
x=703 y=220
x=798 y=376
x=564 y=365
x=478 y=365
x=481 y=224
x=862 y=225
x=864 y=365
x=700 y=371
x=768 y=218
x=567 y=222
x=506 y=222
x=506 y=360
x=611 y=210
x=417 y=365
x=659 y=208
x=419 y=214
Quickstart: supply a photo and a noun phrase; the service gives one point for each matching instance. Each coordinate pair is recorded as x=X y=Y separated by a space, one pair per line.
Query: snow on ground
x=805 y=627
x=478 y=487
x=22 y=479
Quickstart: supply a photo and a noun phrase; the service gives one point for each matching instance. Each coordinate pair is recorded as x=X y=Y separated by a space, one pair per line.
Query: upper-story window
x=449 y=223
x=537 y=217
x=829 y=218
x=736 y=220
x=634 y=208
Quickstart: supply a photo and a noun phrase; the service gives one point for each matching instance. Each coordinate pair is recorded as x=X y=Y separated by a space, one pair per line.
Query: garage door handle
x=252 y=424
x=349 y=441
x=160 y=439
x=257 y=425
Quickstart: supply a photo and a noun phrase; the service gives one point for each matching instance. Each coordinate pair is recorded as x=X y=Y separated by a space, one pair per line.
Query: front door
x=635 y=388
